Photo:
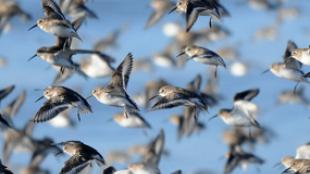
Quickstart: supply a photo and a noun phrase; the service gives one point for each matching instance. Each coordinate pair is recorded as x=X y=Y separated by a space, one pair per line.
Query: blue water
x=203 y=151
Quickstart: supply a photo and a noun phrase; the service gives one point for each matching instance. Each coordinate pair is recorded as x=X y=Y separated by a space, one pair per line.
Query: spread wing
x=75 y=164
x=247 y=95
x=52 y=10
x=6 y=91
x=120 y=77
x=49 y=110
x=164 y=103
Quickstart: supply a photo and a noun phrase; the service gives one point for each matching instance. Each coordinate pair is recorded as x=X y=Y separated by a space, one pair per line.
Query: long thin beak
x=276 y=165
x=181 y=54
x=32 y=27
x=172 y=10
x=89 y=97
x=35 y=55
x=213 y=117
x=152 y=98
x=267 y=70
x=40 y=98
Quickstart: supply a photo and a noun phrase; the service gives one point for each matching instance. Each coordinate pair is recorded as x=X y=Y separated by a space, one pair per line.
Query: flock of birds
x=245 y=133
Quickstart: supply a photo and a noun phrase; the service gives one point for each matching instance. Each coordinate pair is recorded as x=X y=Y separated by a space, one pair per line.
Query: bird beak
x=35 y=55
x=213 y=117
x=276 y=165
x=89 y=97
x=39 y=98
x=267 y=70
x=181 y=54
x=173 y=9
x=153 y=97
x=32 y=27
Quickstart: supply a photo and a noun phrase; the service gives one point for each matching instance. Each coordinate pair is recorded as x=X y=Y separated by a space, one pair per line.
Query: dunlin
x=59 y=99
x=76 y=8
x=293 y=97
x=290 y=68
x=97 y=65
x=81 y=156
x=55 y=22
x=302 y=55
x=243 y=112
x=203 y=55
x=160 y=8
x=134 y=120
x=240 y=158
x=171 y=96
x=195 y=8
x=300 y=166
x=114 y=94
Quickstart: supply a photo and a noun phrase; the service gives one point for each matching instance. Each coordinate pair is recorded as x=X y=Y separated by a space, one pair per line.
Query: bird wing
x=191 y=16
x=154 y=18
x=120 y=77
x=52 y=10
x=247 y=95
x=4 y=169
x=6 y=91
x=75 y=164
x=288 y=60
x=15 y=105
x=49 y=110
x=164 y=103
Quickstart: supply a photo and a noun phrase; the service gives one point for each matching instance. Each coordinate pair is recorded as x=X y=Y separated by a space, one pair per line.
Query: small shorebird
x=62 y=57
x=239 y=158
x=293 y=97
x=114 y=94
x=97 y=65
x=6 y=91
x=195 y=8
x=134 y=120
x=243 y=112
x=297 y=166
x=290 y=69
x=76 y=8
x=81 y=156
x=59 y=99
x=150 y=158
x=303 y=151
x=204 y=56
x=171 y=96
x=55 y=22
x=8 y=10
x=160 y=8
x=4 y=169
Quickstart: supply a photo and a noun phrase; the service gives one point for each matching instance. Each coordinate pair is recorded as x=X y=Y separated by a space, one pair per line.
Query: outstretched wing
x=247 y=95
x=52 y=10
x=75 y=164
x=120 y=77
x=49 y=110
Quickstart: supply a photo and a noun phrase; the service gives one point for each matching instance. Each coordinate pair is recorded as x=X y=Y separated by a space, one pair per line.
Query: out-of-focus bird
x=195 y=8
x=160 y=8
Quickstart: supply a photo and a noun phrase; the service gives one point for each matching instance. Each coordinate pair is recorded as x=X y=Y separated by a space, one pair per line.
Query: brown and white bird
x=134 y=120
x=160 y=8
x=59 y=99
x=81 y=156
x=115 y=93
x=243 y=112
x=55 y=21
x=171 y=96
x=297 y=166
x=195 y=8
